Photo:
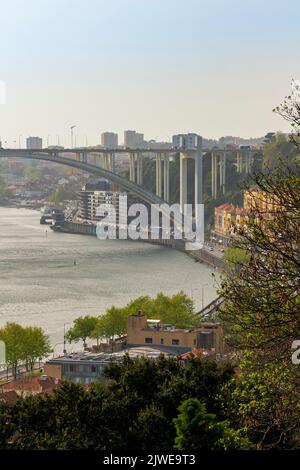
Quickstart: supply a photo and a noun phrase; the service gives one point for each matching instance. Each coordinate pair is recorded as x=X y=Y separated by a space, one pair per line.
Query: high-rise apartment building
x=34 y=143
x=133 y=139
x=187 y=141
x=109 y=140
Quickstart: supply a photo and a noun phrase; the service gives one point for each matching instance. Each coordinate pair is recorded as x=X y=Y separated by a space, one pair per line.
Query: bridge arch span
x=120 y=181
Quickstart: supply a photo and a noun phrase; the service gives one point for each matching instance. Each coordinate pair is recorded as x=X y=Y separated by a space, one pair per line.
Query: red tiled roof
x=225 y=205
x=33 y=384
x=200 y=352
x=9 y=397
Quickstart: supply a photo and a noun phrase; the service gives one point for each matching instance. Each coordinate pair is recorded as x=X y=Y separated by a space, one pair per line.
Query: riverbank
x=202 y=256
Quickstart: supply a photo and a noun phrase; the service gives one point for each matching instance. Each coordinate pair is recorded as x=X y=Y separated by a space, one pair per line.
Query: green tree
x=32 y=173
x=123 y=413
x=236 y=257
x=196 y=429
x=35 y=344
x=99 y=330
x=24 y=345
x=261 y=308
x=262 y=299
x=82 y=329
x=177 y=310
x=4 y=192
x=280 y=149
x=60 y=195
x=112 y=323
x=13 y=336
x=264 y=399
x=6 y=427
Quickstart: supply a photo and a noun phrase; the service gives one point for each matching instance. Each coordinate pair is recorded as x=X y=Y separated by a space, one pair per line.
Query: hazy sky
x=216 y=67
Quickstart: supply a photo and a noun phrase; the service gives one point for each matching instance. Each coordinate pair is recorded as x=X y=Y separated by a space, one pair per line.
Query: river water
x=41 y=285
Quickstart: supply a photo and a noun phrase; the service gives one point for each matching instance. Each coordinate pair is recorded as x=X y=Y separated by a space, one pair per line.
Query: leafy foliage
x=82 y=329
x=135 y=408
x=24 y=345
x=177 y=310
x=196 y=429
x=61 y=195
x=236 y=257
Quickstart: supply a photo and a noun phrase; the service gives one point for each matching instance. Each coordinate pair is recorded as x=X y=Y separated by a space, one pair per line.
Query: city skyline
x=206 y=67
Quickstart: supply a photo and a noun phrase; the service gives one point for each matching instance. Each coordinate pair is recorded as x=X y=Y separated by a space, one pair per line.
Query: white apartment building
x=187 y=141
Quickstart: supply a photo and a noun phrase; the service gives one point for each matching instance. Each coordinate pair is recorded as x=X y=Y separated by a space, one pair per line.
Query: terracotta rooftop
x=43 y=384
x=200 y=352
x=9 y=397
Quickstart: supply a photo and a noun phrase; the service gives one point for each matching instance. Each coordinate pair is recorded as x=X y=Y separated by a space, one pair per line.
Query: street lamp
x=72 y=134
x=64 y=350
x=56 y=344
x=192 y=292
x=202 y=289
x=20 y=140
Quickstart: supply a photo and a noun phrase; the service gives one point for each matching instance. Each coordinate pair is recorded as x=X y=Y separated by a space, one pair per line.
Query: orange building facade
x=258 y=205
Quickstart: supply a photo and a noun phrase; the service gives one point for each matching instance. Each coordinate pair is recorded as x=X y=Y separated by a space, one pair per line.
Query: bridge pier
x=81 y=157
x=103 y=161
x=183 y=181
x=218 y=173
x=158 y=174
x=139 y=169
x=166 y=177
x=132 y=167
x=195 y=155
x=223 y=172
x=239 y=162
x=198 y=176
x=248 y=162
x=214 y=175
x=111 y=162
x=244 y=161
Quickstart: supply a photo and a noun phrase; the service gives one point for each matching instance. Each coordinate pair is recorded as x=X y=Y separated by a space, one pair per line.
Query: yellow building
x=258 y=206
x=141 y=331
x=229 y=219
x=259 y=201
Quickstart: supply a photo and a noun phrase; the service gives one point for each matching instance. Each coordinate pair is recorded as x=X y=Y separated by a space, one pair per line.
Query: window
x=93 y=369
x=175 y=342
x=148 y=340
x=162 y=341
x=194 y=342
x=206 y=339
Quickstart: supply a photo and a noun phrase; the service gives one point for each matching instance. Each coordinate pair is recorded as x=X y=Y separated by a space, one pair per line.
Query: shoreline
x=201 y=256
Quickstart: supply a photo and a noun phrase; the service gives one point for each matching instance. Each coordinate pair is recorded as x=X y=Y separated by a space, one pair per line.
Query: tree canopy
x=135 y=408
x=24 y=345
x=177 y=310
